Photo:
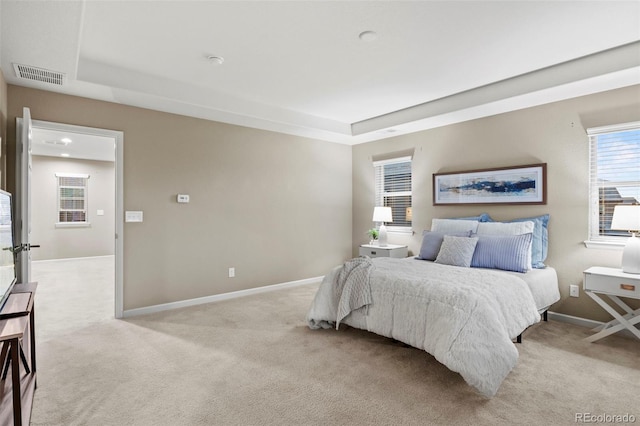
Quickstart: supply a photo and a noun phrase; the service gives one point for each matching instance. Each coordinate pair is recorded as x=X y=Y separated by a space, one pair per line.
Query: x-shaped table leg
x=620 y=322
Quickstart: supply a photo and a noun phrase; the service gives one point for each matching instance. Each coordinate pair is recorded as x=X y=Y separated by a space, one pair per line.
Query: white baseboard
x=215 y=298
x=69 y=259
x=584 y=322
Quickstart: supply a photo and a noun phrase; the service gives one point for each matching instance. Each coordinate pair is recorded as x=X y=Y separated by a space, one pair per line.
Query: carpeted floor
x=73 y=294
x=253 y=361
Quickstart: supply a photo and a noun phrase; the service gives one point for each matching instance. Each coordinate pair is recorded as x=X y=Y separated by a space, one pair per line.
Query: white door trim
x=119 y=202
x=24 y=125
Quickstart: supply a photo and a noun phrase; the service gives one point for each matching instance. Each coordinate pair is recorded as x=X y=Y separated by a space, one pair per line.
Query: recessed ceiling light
x=215 y=59
x=368 y=35
x=65 y=140
x=64 y=155
x=57 y=142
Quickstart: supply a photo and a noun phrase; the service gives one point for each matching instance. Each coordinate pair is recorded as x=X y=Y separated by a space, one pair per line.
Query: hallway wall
x=56 y=242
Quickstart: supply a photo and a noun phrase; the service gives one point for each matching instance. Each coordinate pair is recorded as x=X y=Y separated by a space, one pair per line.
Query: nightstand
x=390 y=250
x=614 y=284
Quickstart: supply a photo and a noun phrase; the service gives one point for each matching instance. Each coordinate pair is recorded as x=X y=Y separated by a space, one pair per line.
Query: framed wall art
x=506 y=185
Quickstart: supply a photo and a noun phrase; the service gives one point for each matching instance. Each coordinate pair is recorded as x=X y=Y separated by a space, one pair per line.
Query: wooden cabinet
x=17 y=337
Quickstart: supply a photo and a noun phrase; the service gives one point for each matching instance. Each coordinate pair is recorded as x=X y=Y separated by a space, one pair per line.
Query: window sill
x=607 y=245
x=73 y=225
x=402 y=231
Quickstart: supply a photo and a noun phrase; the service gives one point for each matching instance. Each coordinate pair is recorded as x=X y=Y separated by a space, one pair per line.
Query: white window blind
x=393 y=189
x=615 y=176
x=72 y=198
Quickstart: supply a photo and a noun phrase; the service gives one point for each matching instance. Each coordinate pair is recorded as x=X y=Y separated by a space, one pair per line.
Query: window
x=72 y=199
x=615 y=177
x=393 y=189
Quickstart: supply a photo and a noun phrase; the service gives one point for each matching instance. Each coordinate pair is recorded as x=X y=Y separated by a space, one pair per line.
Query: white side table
x=614 y=284
x=390 y=250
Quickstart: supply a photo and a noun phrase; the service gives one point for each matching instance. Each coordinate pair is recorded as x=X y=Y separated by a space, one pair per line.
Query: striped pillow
x=506 y=252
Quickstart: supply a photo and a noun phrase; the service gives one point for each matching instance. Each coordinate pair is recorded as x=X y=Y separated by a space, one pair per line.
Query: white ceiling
x=301 y=68
x=66 y=144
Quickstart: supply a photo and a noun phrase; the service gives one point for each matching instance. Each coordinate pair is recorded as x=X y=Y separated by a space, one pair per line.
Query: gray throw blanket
x=352 y=287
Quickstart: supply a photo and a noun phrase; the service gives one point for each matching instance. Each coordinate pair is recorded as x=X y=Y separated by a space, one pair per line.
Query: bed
x=466 y=317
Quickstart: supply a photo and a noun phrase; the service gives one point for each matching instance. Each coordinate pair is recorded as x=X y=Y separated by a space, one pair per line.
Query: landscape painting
x=507 y=185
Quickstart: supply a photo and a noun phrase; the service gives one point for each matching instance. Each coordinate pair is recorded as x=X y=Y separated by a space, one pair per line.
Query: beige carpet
x=73 y=294
x=253 y=361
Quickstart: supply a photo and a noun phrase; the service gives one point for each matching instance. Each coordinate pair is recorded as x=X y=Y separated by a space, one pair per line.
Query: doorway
x=87 y=244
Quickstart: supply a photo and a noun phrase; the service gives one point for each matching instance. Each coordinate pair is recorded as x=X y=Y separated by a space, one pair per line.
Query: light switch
x=100 y=213
x=132 y=216
x=183 y=198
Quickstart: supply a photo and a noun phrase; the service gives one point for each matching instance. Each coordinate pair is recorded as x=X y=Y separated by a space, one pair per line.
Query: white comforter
x=465 y=317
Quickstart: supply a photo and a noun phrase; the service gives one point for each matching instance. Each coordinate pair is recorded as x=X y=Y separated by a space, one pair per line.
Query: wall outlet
x=574 y=291
x=232 y=272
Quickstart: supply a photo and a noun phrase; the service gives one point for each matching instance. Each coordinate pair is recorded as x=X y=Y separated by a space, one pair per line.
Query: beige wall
x=553 y=134
x=243 y=182
x=3 y=131
x=67 y=242
x=276 y=207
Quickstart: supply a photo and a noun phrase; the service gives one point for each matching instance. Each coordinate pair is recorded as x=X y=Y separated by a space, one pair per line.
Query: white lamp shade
x=382 y=214
x=626 y=218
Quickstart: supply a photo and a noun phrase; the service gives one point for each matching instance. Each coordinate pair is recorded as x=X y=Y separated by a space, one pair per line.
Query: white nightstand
x=390 y=250
x=614 y=284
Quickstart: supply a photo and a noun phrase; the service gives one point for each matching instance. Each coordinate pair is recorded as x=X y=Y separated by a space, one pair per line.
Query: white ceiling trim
x=187 y=96
x=608 y=70
x=586 y=68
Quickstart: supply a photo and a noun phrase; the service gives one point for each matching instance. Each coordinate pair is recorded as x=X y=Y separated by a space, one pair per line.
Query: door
x=117 y=138
x=23 y=205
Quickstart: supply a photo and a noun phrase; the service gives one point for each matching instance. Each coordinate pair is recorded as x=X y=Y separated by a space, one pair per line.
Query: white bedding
x=465 y=317
x=543 y=284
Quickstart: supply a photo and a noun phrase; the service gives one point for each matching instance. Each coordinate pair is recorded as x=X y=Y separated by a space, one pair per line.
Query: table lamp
x=382 y=215
x=627 y=218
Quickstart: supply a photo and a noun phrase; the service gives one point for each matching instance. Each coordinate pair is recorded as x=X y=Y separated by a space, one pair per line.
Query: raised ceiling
x=66 y=144
x=302 y=68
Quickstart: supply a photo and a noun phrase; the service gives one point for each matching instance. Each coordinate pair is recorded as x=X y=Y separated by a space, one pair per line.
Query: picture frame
x=525 y=184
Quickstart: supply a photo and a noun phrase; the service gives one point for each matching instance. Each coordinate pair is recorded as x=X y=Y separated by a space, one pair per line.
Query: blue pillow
x=540 y=242
x=506 y=252
x=431 y=242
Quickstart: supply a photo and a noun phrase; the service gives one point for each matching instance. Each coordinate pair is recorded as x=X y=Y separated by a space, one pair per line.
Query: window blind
x=72 y=198
x=614 y=176
x=393 y=189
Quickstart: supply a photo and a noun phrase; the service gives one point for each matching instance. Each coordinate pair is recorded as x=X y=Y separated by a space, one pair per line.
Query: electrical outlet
x=232 y=272
x=574 y=291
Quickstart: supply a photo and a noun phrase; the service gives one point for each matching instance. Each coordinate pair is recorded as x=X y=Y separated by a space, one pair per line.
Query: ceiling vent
x=39 y=74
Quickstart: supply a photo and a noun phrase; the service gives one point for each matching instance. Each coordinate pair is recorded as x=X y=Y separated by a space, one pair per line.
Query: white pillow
x=449 y=226
x=502 y=228
x=509 y=228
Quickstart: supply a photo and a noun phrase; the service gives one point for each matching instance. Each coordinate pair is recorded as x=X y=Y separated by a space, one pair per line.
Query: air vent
x=39 y=74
